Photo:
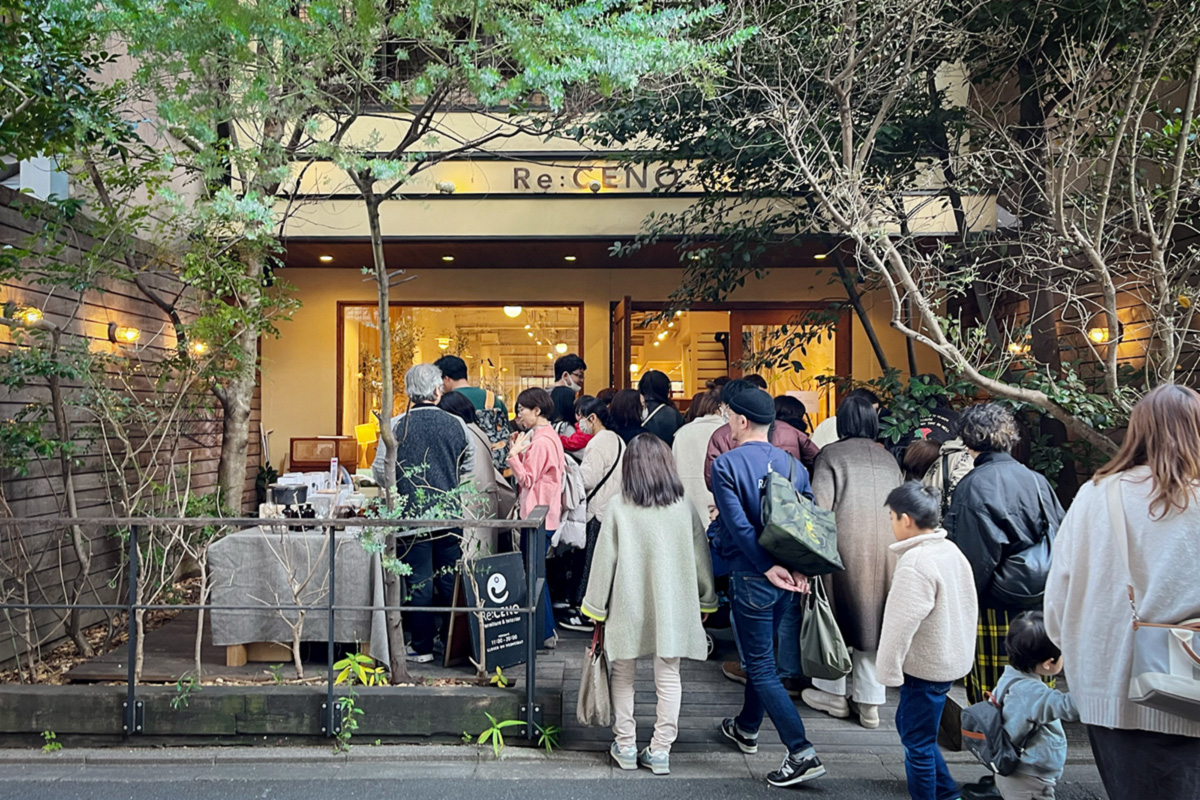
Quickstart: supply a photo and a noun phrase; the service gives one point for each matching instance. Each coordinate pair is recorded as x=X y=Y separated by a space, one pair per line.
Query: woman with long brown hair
x=650 y=584
x=1153 y=482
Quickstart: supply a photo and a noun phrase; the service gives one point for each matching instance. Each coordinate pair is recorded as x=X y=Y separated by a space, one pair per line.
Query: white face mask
x=585 y=426
x=570 y=383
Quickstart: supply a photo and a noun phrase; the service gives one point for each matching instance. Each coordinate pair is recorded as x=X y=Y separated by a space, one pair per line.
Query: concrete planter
x=251 y=713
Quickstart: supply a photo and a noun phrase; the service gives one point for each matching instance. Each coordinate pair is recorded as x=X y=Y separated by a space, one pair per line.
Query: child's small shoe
x=656 y=762
x=626 y=757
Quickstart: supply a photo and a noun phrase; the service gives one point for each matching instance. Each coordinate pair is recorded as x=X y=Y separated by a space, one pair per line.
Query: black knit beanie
x=754 y=404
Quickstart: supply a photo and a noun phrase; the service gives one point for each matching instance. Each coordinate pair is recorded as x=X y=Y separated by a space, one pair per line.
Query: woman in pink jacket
x=537 y=460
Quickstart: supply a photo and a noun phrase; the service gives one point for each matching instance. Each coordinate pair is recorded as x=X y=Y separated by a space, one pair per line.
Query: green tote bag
x=795 y=532
x=823 y=652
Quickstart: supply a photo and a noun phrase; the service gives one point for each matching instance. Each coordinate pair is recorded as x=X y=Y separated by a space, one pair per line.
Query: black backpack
x=984 y=735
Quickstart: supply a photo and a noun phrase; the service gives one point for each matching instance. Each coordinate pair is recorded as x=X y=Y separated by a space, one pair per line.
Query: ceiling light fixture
x=447 y=258
x=569 y=258
x=633 y=367
x=443 y=342
x=561 y=347
x=513 y=312
x=325 y=259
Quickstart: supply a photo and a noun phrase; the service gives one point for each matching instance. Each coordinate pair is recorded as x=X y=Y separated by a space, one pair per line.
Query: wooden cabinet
x=312 y=453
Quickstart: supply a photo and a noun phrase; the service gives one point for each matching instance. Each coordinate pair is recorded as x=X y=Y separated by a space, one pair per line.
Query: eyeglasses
x=577 y=374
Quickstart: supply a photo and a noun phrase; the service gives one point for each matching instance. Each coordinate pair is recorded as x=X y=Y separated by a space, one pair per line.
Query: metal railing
x=532 y=530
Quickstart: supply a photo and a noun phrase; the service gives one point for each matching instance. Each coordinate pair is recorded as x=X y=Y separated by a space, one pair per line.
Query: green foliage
x=499 y=679
x=276 y=673
x=52 y=745
x=185 y=687
x=494 y=733
x=548 y=737
x=359 y=669
x=51 y=52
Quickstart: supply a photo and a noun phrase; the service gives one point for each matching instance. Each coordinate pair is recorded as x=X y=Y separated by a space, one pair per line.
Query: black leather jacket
x=996 y=513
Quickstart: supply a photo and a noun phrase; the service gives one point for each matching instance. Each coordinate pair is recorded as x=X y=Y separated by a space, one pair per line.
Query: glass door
x=622 y=317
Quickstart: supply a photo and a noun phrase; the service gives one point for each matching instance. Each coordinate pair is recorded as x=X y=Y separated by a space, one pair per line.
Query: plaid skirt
x=990 y=655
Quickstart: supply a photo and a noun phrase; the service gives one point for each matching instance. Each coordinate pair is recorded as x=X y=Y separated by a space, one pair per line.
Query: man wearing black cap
x=760 y=590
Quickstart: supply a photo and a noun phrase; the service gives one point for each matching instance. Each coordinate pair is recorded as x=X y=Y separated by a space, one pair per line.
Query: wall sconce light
x=1018 y=348
x=443 y=342
x=31 y=316
x=512 y=312
x=198 y=348
x=561 y=347
x=1098 y=335
x=123 y=334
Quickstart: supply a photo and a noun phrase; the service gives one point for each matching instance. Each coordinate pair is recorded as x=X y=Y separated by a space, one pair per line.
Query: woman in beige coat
x=691 y=446
x=852 y=478
x=493 y=497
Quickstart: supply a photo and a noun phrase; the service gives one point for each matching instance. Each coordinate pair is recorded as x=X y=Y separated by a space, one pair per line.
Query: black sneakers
x=747 y=744
x=797 y=769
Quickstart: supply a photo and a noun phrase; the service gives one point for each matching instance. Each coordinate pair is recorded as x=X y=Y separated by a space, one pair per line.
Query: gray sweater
x=1027 y=701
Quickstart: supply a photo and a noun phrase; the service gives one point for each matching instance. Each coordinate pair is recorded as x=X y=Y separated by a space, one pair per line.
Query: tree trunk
x=236 y=397
x=395 y=623
x=856 y=303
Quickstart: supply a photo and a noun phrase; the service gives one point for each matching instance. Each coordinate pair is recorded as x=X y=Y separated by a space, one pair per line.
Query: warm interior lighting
x=550 y=356
x=821 y=256
x=447 y=258
x=1098 y=335
x=1018 y=348
x=633 y=367
x=530 y=333
x=326 y=259
x=198 y=348
x=568 y=258
x=443 y=342
x=662 y=336
x=561 y=347
x=31 y=316
x=679 y=313
x=670 y=324
x=528 y=326
x=539 y=341
x=513 y=311
x=656 y=344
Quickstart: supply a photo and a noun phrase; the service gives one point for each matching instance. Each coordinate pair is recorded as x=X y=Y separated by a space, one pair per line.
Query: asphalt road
x=562 y=779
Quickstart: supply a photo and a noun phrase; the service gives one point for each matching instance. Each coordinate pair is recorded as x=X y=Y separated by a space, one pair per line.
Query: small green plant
x=52 y=744
x=499 y=679
x=548 y=736
x=276 y=672
x=184 y=688
x=356 y=669
x=495 y=732
x=360 y=669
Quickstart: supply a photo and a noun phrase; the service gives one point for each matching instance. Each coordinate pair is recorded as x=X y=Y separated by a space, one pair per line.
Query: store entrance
x=711 y=340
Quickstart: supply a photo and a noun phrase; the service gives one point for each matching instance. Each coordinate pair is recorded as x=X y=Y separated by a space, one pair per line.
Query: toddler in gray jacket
x=1030 y=705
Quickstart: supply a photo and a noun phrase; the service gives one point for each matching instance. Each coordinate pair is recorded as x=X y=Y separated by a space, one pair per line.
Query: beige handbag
x=595 y=703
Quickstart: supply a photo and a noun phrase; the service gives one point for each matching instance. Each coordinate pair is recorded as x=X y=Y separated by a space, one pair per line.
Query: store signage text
x=642 y=177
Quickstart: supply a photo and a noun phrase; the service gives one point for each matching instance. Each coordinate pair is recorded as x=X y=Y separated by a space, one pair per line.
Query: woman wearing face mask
x=601 y=470
x=625 y=412
x=661 y=417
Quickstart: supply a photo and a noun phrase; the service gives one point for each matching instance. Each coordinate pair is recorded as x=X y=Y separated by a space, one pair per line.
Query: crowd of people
x=959 y=562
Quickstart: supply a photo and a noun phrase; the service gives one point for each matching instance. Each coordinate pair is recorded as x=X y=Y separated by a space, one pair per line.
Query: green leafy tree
x=853 y=122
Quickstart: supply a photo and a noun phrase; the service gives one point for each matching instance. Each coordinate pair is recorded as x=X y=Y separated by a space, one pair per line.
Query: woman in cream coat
x=690 y=447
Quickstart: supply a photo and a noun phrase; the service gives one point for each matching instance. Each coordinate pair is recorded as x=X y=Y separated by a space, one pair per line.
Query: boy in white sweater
x=928 y=638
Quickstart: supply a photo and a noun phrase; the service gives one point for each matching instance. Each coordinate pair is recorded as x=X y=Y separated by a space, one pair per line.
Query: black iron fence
x=532 y=530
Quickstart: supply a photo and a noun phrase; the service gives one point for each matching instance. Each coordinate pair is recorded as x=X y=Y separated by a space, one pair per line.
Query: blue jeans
x=433 y=560
x=787 y=654
x=917 y=719
x=545 y=609
x=758 y=609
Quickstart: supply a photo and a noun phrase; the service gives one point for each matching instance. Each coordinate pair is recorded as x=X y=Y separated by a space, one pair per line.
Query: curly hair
x=988 y=428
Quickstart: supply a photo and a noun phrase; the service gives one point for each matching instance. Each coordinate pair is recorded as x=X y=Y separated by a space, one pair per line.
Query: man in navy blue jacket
x=760 y=590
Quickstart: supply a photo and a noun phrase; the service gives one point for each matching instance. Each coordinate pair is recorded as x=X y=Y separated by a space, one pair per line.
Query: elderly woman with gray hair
x=1003 y=517
x=433 y=455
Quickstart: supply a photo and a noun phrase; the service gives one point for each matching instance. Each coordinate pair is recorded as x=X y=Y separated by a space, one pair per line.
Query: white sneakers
x=832 y=704
x=839 y=707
